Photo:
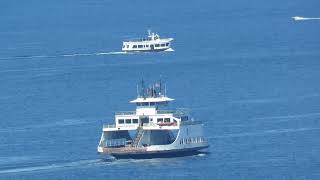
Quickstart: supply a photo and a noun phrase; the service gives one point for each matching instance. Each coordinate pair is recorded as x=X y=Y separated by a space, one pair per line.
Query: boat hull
x=147 y=50
x=142 y=154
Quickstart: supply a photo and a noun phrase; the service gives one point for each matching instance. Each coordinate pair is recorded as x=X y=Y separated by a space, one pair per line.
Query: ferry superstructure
x=152 y=43
x=152 y=130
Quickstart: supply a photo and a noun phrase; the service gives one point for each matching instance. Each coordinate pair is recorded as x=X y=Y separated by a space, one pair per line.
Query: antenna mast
x=138 y=94
x=165 y=90
x=143 y=89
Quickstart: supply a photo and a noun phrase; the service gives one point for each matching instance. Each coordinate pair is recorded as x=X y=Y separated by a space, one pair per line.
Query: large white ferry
x=152 y=43
x=151 y=130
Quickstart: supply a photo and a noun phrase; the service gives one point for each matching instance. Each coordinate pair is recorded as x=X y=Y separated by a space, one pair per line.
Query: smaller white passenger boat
x=152 y=43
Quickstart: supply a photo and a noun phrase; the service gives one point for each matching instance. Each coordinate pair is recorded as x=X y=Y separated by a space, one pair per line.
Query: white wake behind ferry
x=152 y=43
x=151 y=130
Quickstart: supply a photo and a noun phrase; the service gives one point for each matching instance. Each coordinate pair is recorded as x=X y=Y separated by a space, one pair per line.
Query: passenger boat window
x=144 y=104
x=128 y=121
x=140 y=46
x=121 y=121
x=123 y=46
x=167 y=44
x=127 y=46
x=135 y=121
x=166 y=119
x=147 y=45
x=152 y=104
x=134 y=46
x=163 y=45
x=159 y=120
x=157 y=45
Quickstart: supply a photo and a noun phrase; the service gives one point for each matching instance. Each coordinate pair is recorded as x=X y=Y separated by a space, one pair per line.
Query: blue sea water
x=245 y=68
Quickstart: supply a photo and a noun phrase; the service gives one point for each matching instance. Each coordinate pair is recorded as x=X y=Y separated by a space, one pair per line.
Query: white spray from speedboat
x=300 y=18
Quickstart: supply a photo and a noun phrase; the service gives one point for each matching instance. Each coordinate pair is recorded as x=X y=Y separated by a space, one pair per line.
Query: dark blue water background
x=245 y=68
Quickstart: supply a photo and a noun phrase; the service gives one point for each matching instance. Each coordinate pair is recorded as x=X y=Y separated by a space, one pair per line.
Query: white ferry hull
x=141 y=154
x=183 y=145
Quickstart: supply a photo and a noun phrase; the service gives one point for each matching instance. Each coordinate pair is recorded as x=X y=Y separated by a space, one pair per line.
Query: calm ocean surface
x=245 y=68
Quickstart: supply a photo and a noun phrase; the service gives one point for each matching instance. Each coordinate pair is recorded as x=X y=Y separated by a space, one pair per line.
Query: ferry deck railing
x=116 y=142
x=109 y=125
x=138 y=40
x=178 y=111
x=125 y=113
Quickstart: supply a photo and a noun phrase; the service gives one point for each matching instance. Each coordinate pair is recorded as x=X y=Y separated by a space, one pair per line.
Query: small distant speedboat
x=152 y=43
x=299 y=18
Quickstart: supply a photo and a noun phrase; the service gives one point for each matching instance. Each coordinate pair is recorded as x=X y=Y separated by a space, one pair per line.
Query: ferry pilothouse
x=152 y=43
x=152 y=130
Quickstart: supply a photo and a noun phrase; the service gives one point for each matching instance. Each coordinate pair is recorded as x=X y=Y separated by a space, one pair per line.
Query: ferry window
x=152 y=104
x=139 y=104
x=134 y=46
x=166 y=119
x=167 y=44
x=147 y=45
x=135 y=121
x=157 y=45
x=128 y=121
x=144 y=104
x=121 y=121
x=160 y=120
x=127 y=46
x=140 y=46
x=184 y=118
x=163 y=45
x=123 y=46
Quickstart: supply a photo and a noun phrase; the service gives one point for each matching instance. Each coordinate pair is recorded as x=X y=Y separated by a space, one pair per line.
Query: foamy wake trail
x=94 y=54
x=65 y=55
x=289 y=116
x=54 y=166
x=300 y=18
x=266 y=132
x=61 y=123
